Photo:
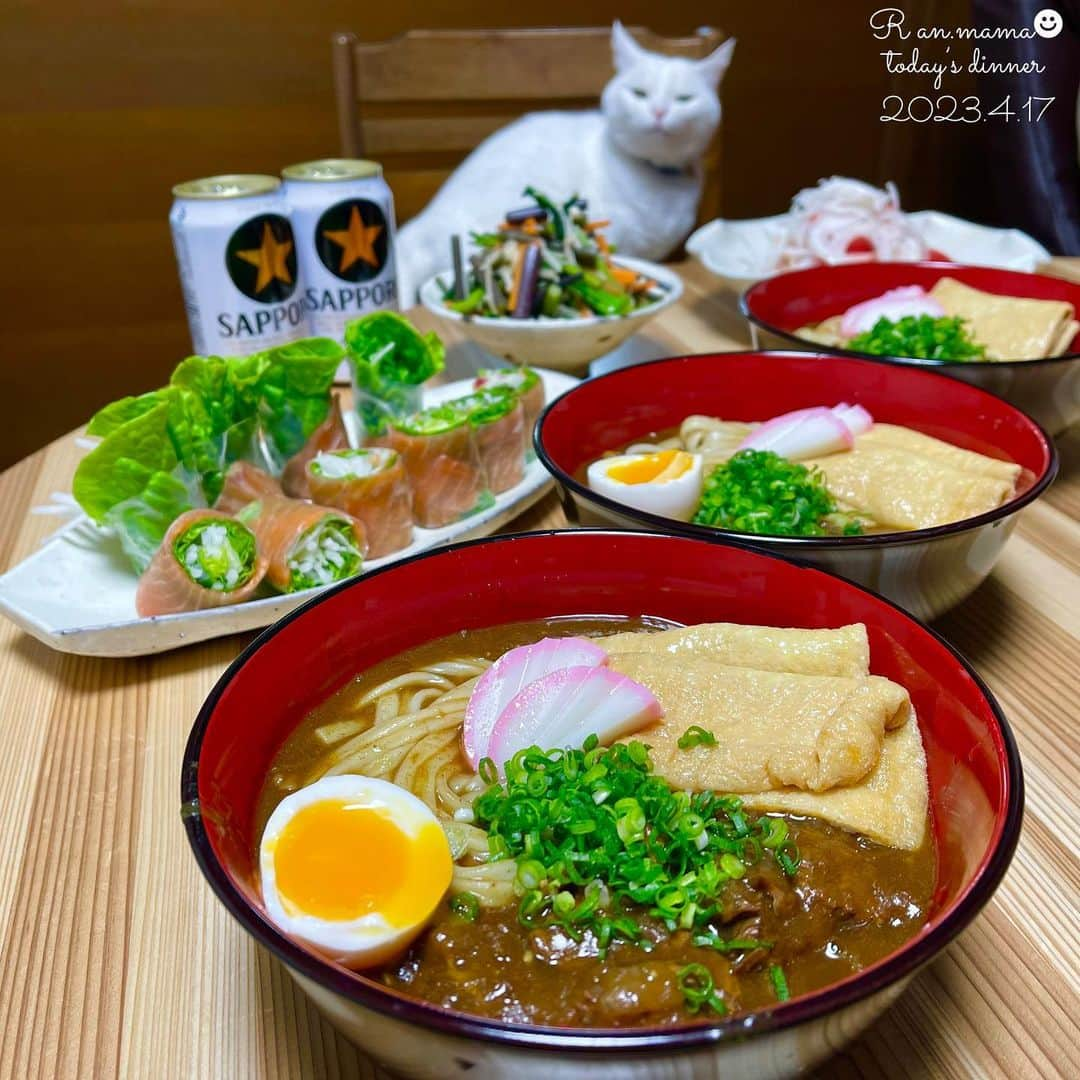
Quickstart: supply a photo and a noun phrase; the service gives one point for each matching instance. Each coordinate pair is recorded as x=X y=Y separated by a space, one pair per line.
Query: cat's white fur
x=637 y=160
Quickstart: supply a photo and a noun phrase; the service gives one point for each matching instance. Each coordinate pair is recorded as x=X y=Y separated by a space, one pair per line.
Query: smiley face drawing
x=1047 y=23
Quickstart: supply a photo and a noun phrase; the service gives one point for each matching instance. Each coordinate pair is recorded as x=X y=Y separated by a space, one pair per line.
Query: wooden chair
x=420 y=102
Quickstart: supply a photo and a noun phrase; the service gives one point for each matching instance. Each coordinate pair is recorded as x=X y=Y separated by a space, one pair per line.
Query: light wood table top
x=116 y=958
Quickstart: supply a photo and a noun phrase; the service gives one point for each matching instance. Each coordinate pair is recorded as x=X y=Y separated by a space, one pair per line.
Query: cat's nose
x=659 y=111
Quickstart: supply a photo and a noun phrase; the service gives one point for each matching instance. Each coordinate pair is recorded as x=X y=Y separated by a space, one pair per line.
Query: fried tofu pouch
x=843 y=651
x=903 y=479
x=889 y=806
x=1011 y=327
x=772 y=729
x=889 y=803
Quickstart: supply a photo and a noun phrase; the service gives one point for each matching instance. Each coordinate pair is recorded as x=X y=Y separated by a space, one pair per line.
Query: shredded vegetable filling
x=347 y=464
x=218 y=555
x=325 y=554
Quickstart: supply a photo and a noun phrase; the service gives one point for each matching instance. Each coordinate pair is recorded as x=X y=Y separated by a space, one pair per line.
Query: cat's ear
x=626 y=51
x=716 y=63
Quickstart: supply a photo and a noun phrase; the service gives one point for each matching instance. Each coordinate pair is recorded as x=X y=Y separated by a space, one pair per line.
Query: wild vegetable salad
x=546 y=260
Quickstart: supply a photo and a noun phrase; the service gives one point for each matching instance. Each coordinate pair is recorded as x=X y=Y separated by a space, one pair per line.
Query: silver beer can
x=343 y=215
x=237 y=256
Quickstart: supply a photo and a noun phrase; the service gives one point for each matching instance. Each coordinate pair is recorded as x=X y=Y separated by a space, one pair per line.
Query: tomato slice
x=860 y=245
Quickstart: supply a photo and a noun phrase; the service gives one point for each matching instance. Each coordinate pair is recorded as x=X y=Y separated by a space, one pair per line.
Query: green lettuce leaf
x=394 y=350
x=124 y=463
x=167 y=450
x=293 y=389
x=107 y=420
x=141 y=521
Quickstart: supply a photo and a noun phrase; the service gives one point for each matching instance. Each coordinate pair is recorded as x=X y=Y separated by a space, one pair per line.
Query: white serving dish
x=76 y=593
x=741 y=253
x=560 y=344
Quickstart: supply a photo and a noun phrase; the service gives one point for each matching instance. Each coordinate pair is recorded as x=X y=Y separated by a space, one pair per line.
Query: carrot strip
x=592 y=226
x=515 y=281
x=623 y=276
x=602 y=244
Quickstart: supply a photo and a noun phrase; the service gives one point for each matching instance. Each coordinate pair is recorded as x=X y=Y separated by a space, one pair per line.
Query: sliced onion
x=566 y=706
x=509 y=675
x=805 y=433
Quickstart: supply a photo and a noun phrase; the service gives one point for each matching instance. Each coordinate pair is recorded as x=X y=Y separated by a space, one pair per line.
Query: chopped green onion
x=922 y=336
x=712 y=940
x=699 y=990
x=696 y=736
x=757 y=491
x=779 y=981
x=465 y=905
x=600 y=830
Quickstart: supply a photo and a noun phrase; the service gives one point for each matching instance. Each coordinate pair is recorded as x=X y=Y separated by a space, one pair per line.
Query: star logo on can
x=261 y=258
x=351 y=240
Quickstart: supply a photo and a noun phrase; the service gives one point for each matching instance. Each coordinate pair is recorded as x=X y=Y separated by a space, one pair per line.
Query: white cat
x=637 y=160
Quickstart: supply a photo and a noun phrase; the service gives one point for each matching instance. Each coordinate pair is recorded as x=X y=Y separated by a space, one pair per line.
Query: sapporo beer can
x=238 y=263
x=343 y=214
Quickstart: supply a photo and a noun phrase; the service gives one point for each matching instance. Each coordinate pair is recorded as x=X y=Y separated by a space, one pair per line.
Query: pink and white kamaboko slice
x=509 y=675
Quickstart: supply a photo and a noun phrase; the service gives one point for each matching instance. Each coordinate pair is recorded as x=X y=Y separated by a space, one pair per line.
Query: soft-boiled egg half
x=353 y=867
x=667 y=482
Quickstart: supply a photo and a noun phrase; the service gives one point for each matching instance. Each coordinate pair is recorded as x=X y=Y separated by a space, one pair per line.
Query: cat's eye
x=638 y=92
x=682 y=99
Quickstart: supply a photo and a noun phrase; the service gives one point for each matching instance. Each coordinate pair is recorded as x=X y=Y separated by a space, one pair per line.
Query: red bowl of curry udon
x=1020 y=329
x=917 y=506
x=727 y=807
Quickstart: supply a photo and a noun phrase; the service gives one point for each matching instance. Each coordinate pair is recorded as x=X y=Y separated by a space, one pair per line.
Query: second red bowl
x=1047 y=390
x=926 y=571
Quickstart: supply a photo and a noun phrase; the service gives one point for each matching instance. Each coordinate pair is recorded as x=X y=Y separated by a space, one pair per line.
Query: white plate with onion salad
x=76 y=593
x=840 y=221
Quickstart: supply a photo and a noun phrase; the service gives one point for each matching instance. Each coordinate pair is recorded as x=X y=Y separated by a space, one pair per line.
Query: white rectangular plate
x=76 y=593
x=741 y=253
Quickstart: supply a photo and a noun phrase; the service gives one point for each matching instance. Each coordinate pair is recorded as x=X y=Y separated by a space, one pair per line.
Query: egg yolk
x=652 y=468
x=340 y=860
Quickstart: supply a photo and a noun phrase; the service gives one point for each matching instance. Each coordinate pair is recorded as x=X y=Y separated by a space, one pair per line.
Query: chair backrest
x=420 y=102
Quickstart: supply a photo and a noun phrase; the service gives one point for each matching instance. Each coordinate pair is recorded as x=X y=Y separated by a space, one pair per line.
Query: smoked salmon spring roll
x=524 y=382
x=439 y=450
x=370 y=485
x=329 y=435
x=206 y=560
x=498 y=422
x=306 y=545
x=244 y=483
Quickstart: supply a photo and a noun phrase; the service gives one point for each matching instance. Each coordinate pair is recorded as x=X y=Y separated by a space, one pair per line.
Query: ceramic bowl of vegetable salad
x=636 y=448
x=545 y=288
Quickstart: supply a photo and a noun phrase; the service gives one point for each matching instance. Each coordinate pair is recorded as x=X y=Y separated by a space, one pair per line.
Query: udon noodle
x=407 y=730
x=715 y=440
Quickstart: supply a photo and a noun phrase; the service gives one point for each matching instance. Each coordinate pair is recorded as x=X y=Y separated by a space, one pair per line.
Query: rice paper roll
x=498 y=422
x=206 y=560
x=370 y=485
x=524 y=382
x=329 y=435
x=244 y=484
x=306 y=545
x=438 y=448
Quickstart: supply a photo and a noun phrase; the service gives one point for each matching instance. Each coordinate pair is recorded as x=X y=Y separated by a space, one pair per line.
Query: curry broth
x=851 y=902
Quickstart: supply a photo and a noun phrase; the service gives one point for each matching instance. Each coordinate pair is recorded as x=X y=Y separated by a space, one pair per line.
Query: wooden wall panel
x=104 y=105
